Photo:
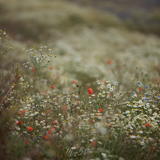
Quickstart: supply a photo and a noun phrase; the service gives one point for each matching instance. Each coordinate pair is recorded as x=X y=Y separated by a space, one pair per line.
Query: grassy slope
x=83 y=39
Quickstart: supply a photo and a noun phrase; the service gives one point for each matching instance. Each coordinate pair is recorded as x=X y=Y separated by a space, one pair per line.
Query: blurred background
x=140 y=15
x=92 y=39
x=143 y=15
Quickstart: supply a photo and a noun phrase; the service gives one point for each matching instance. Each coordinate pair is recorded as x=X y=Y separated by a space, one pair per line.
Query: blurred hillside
x=141 y=15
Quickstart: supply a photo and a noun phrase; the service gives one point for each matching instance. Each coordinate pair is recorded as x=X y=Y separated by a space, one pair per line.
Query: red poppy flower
x=90 y=91
x=33 y=69
x=49 y=132
x=74 y=81
x=109 y=62
x=23 y=111
x=91 y=121
x=65 y=107
x=19 y=122
x=147 y=124
x=54 y=122
x=92 y=143
x=46 y=136
x=26 y=141
x=153 y=149
x=52 y=128
x=100 y=110
x=15 y=112
x=52 y=87
x=30 y=128
x=47 y=111
x=140 y=89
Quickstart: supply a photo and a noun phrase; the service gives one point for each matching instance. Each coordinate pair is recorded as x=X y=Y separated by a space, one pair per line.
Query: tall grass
x=100 y=120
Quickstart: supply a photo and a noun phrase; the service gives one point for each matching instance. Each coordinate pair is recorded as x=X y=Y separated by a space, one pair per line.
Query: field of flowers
x=76 y=84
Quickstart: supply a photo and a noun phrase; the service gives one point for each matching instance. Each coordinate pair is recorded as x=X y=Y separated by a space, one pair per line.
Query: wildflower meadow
x=87 y=93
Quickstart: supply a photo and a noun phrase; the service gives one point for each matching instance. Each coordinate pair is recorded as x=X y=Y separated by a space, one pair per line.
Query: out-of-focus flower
x=92 y=143
x=47 y=111
x=26 y=141
x=33 y=69
x=90 y=91
x=100 y=110
x=64 y=108
x=49 y=132
x=52 y=87
x=23 y=111
x=19 y=122
x=140 y=89
x=46 y=136
x=109 y=62
x=101 y=128
x=30 y=128
x=74 y=81
x=139 y=82
x=147 y=124
x=111 y=89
